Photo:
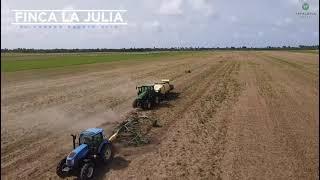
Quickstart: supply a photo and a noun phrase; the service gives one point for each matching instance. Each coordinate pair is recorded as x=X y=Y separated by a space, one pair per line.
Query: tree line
x=76 y=50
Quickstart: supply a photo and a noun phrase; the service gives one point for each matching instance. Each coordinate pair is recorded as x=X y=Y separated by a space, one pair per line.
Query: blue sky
x=171 y=23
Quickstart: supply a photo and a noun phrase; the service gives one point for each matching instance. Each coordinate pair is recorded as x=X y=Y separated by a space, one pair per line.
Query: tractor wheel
x=148 y=104
x=59 y=169
x=134 y=103
x=107 y=153
x=86 y=171
x=157 y=100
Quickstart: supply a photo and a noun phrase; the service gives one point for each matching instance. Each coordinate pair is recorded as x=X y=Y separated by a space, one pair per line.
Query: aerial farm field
x=236 y=115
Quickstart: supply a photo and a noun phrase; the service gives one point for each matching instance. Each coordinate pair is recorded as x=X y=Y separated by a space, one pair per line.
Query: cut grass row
x=16 y=62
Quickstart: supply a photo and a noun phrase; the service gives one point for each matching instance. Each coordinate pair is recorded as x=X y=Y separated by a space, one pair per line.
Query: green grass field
x=11 y=62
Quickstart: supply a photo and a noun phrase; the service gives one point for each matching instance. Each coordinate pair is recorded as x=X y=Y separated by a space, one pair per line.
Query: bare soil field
x=237 y=115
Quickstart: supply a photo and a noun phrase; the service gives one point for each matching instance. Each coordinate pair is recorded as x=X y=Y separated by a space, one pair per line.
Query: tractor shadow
x=172 y=96
x=117 y=163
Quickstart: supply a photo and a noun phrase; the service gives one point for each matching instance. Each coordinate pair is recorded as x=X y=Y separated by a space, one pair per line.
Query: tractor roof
x=147 y=85
x=92 y=131
x=165 y=80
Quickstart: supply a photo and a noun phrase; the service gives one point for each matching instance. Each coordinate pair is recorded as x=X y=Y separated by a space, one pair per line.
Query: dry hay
x=133 y=131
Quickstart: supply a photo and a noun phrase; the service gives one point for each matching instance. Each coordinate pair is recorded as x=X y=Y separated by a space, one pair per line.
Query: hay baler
x=163 y=87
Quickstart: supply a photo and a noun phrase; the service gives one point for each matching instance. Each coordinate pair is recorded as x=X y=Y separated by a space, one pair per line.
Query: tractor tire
x=134 y=103
x=60 y=166
x=157 y=100
x=107 y=153
x=148 y=105
x=87 y=171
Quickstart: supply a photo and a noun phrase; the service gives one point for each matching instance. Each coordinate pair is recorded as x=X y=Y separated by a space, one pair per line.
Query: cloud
x=288 y=20
x=203 y=6
x=235 y=35
x=284 y=22
x=293 y=2
x=153 y=26
x=302 y=30
x=68 y=7
x=171 y=7
x=179 y=7
x=233 y=18
x=260 y=33
x=167 y=23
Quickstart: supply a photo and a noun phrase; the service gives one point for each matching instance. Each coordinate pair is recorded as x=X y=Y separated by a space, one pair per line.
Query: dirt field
x=238 y=115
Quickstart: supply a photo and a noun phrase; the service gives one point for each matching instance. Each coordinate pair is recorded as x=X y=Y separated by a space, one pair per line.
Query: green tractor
x=147 y=97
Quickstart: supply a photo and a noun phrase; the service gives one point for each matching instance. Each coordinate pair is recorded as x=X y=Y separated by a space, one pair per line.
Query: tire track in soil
x=102 y=94
x=271 y=135
x=219 y=82
x=79 y=89
x=203 y=105
x=29 y=157
x=96 y=100
x=141 y=112
x=299 y=147
x=297 y=71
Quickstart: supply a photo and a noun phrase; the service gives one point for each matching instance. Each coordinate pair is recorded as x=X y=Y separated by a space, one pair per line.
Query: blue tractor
x=93 y=148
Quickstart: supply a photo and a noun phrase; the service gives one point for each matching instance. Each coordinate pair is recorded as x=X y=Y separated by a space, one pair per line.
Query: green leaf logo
x=305 y=6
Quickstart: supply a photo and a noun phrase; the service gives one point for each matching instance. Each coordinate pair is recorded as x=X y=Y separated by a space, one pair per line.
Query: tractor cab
x=92 y=137
x=147 y=96
x=145 y=88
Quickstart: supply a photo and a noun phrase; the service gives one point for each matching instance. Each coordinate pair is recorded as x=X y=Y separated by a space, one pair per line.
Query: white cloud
x=284 y=22
x=279 y=23
x=233 y=19
x=292 y=35
x=288 y=20
x=293 y=2
x=260 y=33
x=314 y=8
x=68 y=7
x=203 y=6
x=302 y=30
x=235 y=35
x=171 y=7
x=181 y=22
x=154 y=25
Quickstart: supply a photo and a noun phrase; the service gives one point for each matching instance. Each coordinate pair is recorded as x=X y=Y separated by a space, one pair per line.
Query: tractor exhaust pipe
x=74 y=140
